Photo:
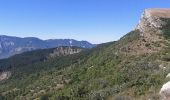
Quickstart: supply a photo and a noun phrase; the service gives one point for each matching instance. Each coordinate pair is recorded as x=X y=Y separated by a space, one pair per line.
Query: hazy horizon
x=96 y=21
x=44 y=39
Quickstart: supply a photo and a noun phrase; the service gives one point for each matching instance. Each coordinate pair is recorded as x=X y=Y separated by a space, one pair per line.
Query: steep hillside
x=133 y=68
x=14 y=45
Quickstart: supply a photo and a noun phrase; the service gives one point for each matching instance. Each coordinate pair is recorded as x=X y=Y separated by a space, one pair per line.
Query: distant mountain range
x=10 y=45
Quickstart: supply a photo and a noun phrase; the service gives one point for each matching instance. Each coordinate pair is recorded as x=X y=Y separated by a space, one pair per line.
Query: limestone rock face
x=152 y=19
x=64 y=51
x=148 y=36
x=4 y=75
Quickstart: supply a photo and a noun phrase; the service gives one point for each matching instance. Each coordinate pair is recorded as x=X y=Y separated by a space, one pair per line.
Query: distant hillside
x=14 y=45
x=132 y=68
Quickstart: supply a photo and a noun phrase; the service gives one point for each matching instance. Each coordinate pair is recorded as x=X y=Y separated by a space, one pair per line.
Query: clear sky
x=96 y=21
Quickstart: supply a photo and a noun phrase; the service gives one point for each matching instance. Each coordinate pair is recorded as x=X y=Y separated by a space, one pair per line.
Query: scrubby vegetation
x=165 y=29
x=101 y=73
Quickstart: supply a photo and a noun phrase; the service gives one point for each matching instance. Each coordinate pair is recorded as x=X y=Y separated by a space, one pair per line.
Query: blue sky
x=96 y=21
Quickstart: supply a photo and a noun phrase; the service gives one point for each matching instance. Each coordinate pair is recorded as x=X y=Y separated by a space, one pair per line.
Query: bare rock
x=5 y=75
x=64 y=51
x=165 y=91
x=168 y=76
x=151 y=19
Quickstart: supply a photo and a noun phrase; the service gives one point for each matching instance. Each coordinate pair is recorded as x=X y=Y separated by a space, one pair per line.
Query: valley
x=10 y=45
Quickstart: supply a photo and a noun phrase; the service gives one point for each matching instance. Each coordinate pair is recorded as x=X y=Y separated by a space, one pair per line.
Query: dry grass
x=160 y=12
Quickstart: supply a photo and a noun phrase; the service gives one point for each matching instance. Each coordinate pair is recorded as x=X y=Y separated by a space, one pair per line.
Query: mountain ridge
x=14 y=45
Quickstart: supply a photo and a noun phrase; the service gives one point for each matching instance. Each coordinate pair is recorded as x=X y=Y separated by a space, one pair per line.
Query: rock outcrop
x=64 y=51
x=4 y=75
x=148 y=35
x=165 y=91
x=152 y=19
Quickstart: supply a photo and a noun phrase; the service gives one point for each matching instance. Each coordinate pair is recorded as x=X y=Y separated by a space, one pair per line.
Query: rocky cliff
x=64 y=51
x=152 y=19
x=149 y=34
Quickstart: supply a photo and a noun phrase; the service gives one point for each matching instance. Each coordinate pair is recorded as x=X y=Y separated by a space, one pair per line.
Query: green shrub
x=44 y=97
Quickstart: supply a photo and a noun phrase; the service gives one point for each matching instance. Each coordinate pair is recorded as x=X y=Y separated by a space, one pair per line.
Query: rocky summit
x=152 y=18
x=152 y=31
